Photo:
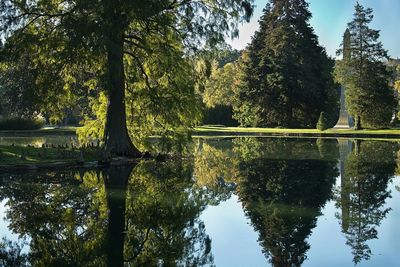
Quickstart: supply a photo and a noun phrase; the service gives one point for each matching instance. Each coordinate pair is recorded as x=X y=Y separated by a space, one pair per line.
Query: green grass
x=31 y=155
x=70 y=130
x=218 y=130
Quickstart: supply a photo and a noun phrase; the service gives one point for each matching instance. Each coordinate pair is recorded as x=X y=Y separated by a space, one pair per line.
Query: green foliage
x=18 y=95
x=11 y=254
x=363 y=194
x=322 y=124
x=397 y=82
x=369 y=98
x=124 y=48
x=273 y=196
x=219 y=115
x=221 y=54
x=246 y=112
x=219 y=87
x=217 y=69
x=144 y=216
x=287 y=76
x=21 y=124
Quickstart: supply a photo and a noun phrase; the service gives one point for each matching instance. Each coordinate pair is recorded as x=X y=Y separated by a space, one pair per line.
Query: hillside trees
x=366 y=78
x=115 y=39
x=287 y=75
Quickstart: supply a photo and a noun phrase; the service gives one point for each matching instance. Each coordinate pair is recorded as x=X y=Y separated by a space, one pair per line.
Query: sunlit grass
x=219 y=129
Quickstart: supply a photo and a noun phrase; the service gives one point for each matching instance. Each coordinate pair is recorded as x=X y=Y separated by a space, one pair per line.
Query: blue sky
x=329 y=21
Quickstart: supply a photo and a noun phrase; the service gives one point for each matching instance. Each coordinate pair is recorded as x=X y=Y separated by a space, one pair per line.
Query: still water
x=235 y=202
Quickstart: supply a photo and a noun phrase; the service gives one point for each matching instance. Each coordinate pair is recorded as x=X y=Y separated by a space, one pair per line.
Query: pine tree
x=364 y=74
x=288 y=75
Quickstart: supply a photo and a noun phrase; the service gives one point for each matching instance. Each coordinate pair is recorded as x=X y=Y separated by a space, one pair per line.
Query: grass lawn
x=69 y=130
x=219 y=129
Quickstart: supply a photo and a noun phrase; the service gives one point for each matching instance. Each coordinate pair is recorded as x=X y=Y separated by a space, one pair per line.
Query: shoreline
x=206 y=132
x=49 y=166
x=222 y=131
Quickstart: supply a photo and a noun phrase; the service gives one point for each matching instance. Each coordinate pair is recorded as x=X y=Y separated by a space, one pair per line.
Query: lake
x=232 y=202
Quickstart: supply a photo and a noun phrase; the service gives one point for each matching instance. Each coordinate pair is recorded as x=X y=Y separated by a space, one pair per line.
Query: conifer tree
x=288 y=75
x=363 y=72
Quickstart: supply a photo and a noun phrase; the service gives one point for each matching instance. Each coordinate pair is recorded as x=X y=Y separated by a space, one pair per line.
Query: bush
x=21 y=124
x=322 y=124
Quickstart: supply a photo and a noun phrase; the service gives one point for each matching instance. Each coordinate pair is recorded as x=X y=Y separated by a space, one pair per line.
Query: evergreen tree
x=364 y=74
x=288 y=75
x=322 y=122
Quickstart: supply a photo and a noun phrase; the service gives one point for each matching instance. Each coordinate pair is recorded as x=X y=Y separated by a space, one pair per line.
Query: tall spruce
x=287 y=76
x=364 y=74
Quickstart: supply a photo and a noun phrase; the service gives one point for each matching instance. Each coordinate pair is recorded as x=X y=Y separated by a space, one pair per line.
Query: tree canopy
x=131 y=49
x=363 y=72
x=287 y=75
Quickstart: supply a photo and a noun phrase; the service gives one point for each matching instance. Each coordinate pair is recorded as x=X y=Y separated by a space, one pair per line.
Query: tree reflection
x=284 y=197
x=148 y=214
x=115 y=217
x=215 y=169
x=367 y=172
x=60 y=215
x=163 y=225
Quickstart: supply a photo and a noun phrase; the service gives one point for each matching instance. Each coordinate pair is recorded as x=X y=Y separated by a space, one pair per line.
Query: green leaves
x=74 y=39
x=287 y=76
x=364 y=74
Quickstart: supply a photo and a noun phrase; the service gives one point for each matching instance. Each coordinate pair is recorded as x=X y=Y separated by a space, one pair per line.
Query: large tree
x=110 y=37
x=363 y=72
x=287 y=74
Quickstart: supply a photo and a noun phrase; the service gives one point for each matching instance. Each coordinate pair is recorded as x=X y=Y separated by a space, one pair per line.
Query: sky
x=330 y=18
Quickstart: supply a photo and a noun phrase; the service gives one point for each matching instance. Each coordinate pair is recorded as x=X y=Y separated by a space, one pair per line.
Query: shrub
x=322 y=124
x=21 y=124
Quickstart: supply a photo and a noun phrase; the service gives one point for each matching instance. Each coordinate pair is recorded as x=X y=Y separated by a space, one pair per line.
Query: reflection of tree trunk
x=116 y=182
x=116 y=135
x=345 y=198
x=357 y=144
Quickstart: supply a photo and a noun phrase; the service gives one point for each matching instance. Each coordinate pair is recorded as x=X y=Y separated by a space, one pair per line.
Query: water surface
x=234 y=202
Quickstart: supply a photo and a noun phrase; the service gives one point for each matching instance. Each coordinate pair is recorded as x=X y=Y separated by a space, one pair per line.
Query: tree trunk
x=116 y=182
x=116 y=135
x=357 y=123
